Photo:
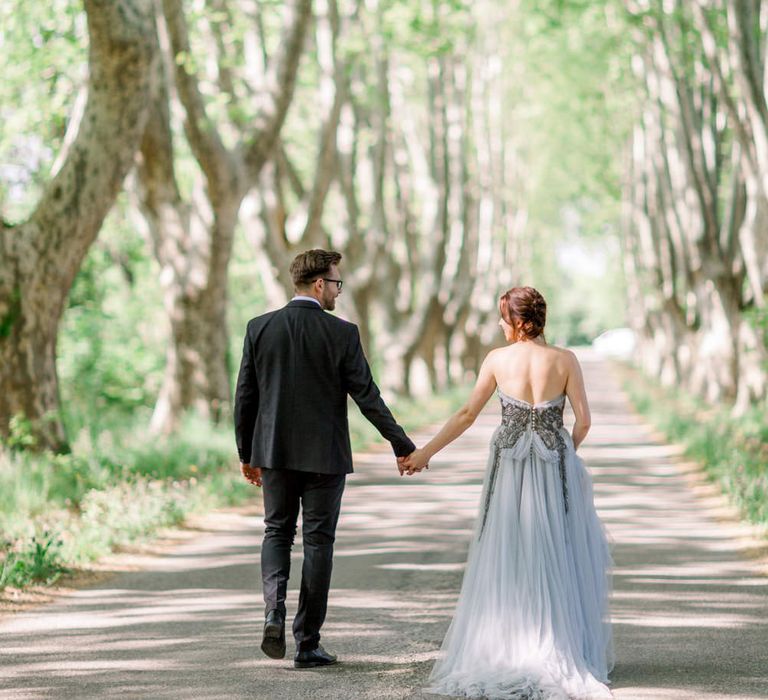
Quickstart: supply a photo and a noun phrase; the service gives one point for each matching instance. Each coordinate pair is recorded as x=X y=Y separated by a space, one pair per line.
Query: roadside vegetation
x=733 y=450
x=60 y=512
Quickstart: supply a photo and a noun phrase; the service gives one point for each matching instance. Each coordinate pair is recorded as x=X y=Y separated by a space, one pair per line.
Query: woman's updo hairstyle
x=527 y=305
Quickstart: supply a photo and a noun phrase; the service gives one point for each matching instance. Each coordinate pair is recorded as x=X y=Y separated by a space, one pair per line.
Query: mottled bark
x=195 y=376
x=193 y=240
x=741 y=64
x=40 y=257
x=423 y=260
x=273 y=229
x=418 y=330
x=452 y=220
x=690 y=197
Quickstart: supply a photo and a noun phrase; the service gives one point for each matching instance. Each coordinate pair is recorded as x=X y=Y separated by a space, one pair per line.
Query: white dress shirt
x=300 y=297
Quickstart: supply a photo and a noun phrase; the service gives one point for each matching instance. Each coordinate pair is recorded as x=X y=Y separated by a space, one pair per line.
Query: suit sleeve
x=366 y=395
x=246 y=402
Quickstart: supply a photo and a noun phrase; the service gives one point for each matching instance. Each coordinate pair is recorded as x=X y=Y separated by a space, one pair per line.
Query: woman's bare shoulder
x=563 y=359
x=557 y=351
x=562 y=352
x=495 y=355
x=501 y=351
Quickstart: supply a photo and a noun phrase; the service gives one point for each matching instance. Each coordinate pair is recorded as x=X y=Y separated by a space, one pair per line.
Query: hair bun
x=527 y=305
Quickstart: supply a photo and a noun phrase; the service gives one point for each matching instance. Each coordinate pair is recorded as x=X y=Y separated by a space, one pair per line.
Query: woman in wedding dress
x=532 y=617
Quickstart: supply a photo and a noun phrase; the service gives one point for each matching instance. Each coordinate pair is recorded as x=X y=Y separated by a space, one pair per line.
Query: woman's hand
x=415 y=462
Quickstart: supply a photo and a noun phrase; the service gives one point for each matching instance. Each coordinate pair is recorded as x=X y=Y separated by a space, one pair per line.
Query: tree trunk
x=748 y=115
x=269 y=231
x=40 y=258
x=690 y=241
x=194 y=241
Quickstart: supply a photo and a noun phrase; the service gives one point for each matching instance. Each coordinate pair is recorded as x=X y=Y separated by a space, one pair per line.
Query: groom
x=299 y=364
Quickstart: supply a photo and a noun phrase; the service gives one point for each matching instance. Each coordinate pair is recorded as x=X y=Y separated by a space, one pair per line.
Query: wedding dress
x=532 y=618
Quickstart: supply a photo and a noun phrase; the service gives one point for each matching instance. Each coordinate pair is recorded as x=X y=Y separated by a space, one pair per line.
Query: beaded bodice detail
x=518 y=419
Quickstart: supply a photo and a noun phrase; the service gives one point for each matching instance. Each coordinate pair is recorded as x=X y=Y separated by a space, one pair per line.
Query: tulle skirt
x=532 y=617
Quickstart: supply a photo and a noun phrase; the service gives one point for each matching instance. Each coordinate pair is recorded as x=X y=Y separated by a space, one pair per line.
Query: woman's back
x=532 y=372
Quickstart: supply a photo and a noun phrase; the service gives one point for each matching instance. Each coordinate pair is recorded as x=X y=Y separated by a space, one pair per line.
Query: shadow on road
x=690 y=612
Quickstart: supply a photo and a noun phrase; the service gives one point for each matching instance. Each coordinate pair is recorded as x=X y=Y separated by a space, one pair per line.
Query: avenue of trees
x=695 y=188
x=162 y=161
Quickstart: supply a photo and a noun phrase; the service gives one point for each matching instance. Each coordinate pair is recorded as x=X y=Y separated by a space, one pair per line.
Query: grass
x=63 y=511
x=733 y=450
x=60 y=512
x=40 y=562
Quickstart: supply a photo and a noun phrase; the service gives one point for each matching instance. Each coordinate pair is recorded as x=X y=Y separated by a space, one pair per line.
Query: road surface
x=690 y=608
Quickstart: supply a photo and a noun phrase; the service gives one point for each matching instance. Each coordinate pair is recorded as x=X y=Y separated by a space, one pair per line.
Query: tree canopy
x=613 y=155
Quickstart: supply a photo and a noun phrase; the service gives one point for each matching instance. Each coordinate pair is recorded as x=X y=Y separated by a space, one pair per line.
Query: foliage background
x=570 y=97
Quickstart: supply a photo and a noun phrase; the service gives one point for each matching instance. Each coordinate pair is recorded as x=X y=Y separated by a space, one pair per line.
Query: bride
x=532 y=617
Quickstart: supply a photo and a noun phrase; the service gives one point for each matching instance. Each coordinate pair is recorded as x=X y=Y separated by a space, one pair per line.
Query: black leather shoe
x=313 y=659
x=273 y=644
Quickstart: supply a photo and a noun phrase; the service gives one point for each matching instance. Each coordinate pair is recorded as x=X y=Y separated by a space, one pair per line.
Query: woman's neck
x=538 y=340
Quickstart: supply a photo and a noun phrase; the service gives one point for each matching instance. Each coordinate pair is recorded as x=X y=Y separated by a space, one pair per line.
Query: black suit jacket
x=299 y=364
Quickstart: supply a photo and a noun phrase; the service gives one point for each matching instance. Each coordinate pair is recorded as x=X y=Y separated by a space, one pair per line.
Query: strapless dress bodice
x=518 y=417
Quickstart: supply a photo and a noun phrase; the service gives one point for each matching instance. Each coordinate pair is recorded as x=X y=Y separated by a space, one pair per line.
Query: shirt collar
x=301 y=297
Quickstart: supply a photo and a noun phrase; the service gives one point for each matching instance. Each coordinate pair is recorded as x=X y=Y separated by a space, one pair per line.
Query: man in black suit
x=299 y=364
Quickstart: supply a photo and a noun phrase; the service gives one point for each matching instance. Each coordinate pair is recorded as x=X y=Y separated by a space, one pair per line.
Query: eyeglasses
x=339 y=283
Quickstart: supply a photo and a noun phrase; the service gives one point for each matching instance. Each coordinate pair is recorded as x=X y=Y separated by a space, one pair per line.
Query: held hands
x=252 y=474
x=413 y=463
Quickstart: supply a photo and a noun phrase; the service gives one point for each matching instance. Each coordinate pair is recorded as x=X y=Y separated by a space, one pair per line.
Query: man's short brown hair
x=311 y=265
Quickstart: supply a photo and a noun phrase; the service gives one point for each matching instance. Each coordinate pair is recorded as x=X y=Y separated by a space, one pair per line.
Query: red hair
x=526 y=305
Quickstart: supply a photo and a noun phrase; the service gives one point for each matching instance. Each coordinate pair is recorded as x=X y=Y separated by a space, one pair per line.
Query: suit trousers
x=319 y=496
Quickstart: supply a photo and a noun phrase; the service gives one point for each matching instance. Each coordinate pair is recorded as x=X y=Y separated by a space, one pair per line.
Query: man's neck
x=305 y=297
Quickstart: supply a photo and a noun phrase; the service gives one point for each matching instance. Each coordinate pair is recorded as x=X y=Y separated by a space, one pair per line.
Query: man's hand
x=252 y=474
x=413 y=463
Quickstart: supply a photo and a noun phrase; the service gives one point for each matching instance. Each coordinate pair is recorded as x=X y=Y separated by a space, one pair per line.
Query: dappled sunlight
x=652 y=692
x=71 y=668
x=345 y=598
x=685 y=605
x=424 y=567
x=387 y=660
x=699 y=620
x=679 y=580
x=393 y=548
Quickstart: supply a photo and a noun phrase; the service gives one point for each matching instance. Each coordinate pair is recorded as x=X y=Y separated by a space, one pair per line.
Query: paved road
x=690 y=610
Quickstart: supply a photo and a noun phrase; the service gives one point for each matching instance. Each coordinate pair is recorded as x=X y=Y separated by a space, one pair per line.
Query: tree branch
x=203 y=137
x=72 y=207
x=280 y=81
